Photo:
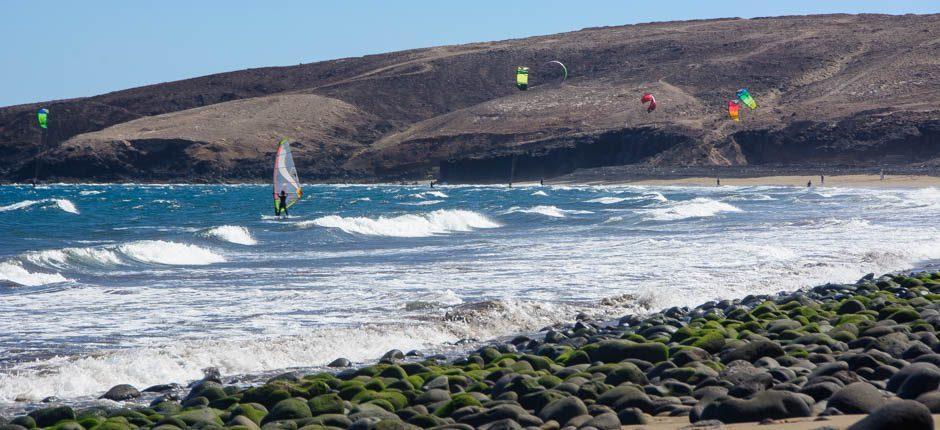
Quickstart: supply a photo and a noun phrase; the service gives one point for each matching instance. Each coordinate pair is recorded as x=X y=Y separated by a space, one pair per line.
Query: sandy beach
x=853 y=181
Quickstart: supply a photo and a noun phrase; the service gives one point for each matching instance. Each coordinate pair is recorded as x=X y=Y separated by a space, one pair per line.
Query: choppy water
x=101 y=285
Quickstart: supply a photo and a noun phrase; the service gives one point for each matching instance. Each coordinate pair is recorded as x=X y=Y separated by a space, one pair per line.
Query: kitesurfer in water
x=282 y=204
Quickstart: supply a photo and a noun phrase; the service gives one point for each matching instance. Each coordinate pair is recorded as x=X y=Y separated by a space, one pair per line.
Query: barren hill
x=847 y=90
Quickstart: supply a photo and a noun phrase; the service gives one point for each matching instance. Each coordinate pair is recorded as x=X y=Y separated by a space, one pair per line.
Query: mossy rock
x=615 y=351
x=250 y=412
x=352 y=391
x=394 y=372
x=47 y=417
x=326 y=404
x=68 y=425
x=711 y=341
x=382 y=403
x=904 y=315
x=456 y=402
x=538 y=362
x=89 y=422
x=549 y=381
x=267 y=395
x=115 y=424
x=375 y=385
x=200 y=417
x=288 y=409
x=172 y=421
x=426 y=421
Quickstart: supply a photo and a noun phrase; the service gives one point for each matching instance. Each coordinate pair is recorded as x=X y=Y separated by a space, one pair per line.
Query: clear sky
x=54 y=49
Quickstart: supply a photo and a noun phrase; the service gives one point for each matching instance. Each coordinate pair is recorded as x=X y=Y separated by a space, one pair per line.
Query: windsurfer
x=282 y=204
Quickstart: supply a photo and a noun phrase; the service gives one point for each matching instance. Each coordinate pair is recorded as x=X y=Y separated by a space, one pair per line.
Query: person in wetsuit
x=282 y=203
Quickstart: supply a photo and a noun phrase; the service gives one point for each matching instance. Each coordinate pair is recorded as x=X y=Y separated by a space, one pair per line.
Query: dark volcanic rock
x=904 y=414
x=857 y=398
x=121 y=392
x=767 y=404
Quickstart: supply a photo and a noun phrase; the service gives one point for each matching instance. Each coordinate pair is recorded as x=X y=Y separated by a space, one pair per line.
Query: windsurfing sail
x=648 y=98
x=734 y=110
x=43 y=117
x=522 y=78
x=746 y=98
x=285 y=177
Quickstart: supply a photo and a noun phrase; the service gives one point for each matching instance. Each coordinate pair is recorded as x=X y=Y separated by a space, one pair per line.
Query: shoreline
x=853 y=349
x=836 y=181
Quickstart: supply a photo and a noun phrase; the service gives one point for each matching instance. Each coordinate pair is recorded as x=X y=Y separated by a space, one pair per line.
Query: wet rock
x=340 y=362
x=904 y=414
x=393 y=355
x=626 y=396
x=121 y=392
x=46 y=417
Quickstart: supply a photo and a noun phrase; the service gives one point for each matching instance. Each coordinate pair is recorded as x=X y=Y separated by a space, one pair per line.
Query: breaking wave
x=62 y=204
x=608 y=200
x=15 y=272
x=410 y=225
x=696 y=208
x=232 y=234
x=170 y=253
x=549 y=211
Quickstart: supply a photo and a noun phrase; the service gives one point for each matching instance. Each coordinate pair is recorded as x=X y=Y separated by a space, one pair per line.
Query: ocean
x=145 y=284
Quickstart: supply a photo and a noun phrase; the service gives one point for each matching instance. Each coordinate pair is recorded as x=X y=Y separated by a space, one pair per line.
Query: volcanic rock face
x=835 y=89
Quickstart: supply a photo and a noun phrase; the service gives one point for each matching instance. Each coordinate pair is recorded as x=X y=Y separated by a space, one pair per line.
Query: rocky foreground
x=864 y=348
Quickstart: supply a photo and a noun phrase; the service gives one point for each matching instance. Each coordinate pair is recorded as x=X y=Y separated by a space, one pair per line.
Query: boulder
x=914 y=380
x=753 y=350
x=122 y=392
x=857 y=398
x=46 y=417
x=562 y=410
x=766 y=404
x=904 y=414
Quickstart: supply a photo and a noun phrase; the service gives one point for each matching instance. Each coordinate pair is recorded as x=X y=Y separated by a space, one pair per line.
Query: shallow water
x=101 y=285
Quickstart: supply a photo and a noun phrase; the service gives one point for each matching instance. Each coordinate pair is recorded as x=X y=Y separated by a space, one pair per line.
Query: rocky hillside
x=840 y=90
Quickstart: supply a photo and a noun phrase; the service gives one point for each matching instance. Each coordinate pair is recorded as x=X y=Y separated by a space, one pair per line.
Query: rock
x=161 y=388
x=503 y=424
x=903 y=414
x=243 y=421
x=340 y=362
x=562 y=410
x=25 y=421
x=857 y=398
x=752 y=351
x=200 y=417
x=615 y=351
x=850 y=306
x=626 y=372
x=433 y=395
x=393 y=355
x=289 y=409
x=121 y=392
x=46 y=417
x=689 y=355
x=632 y=416
x=626 y=396
x=766 y=404
x=605 y=421
x=821 y=390
x=914 y=380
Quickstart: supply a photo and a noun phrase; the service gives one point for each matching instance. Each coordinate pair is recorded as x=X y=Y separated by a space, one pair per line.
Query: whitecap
x=696 y=208
x=170 y=253
x=549 y=211
x=409 y=225
x=232 y=234
x=15 y=272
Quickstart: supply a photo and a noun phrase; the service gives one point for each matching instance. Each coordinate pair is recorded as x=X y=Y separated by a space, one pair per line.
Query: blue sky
x=61 y=49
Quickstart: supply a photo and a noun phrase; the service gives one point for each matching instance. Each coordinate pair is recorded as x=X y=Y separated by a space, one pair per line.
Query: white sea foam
x=423 y=203
x=15 y=272
x=183 y=360
x=63 y=204
x=170 y=253
x=425 y=195
x=410 y=225
x=696 y=208
x=70 y=257
x=540 y=193
x=90 y=192
x=608 y=200
x=549 y=211
x=231 y=233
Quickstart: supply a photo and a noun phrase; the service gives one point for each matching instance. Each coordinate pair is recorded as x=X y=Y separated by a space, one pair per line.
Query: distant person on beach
x=282 y=203
x=882 y=174
x=809 y=183
x=717 y=182
x=822 y=179
x=541 y=182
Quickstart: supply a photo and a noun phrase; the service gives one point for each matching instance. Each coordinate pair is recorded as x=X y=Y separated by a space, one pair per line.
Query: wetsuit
x=283 y=203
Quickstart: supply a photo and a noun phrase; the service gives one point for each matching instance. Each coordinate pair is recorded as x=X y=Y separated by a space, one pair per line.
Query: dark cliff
x=836 y=89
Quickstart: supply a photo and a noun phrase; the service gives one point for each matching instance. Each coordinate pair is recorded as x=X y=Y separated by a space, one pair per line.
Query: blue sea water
x=147 y=284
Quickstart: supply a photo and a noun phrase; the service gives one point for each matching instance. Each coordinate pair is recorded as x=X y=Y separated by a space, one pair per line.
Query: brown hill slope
x=834 y=89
